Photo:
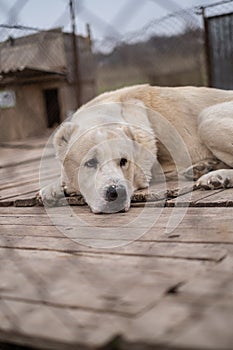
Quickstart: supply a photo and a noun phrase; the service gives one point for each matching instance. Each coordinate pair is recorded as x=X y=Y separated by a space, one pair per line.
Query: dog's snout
x=116 y=192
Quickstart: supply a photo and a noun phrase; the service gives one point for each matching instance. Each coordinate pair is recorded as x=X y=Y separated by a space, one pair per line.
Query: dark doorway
x=52 y=107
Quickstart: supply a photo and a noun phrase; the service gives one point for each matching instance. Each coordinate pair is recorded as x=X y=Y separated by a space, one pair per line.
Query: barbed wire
x=182 y=18
x=217 y=8
x=168 y=25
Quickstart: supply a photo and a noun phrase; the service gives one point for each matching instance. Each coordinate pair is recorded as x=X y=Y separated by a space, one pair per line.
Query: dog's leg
x=222 y=178
x=215 y=128
x=50 y=194
x=216 y=132
x=201 y=168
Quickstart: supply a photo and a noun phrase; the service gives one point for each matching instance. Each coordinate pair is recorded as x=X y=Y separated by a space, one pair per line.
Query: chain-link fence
x=38 y=89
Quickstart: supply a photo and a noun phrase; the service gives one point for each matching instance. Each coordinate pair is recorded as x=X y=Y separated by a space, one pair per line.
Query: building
x=38 y=85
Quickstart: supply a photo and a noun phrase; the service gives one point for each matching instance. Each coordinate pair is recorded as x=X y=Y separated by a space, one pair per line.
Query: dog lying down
x=121 y=140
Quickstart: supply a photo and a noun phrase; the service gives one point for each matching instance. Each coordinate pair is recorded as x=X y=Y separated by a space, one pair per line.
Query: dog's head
x=105 y=160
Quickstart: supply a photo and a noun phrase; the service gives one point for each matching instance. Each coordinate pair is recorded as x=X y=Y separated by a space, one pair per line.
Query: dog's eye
x=91 y=163
x=123 y=162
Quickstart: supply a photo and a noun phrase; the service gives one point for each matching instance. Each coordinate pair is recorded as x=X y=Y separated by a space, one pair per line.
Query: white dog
x=118 y=142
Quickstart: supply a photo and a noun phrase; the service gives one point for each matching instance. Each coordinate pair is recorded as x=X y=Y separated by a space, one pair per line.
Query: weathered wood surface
x=164 y=290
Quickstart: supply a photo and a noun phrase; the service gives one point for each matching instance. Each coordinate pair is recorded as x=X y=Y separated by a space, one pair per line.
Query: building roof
x=42 y=52
x=27 y=72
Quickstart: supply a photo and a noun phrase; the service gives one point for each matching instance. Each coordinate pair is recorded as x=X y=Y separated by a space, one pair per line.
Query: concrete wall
x=26 y=118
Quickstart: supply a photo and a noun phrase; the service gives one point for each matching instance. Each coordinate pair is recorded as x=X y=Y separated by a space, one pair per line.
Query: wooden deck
x=167 y=289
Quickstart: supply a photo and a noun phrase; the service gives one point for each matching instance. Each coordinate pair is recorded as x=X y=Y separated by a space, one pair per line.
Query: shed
x=38 y=88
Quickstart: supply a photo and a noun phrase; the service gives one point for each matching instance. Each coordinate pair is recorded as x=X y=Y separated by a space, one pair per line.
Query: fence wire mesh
x=35 y=61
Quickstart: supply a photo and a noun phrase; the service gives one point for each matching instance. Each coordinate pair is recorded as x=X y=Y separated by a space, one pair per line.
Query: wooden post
x=75 y=53
x=89 y=39
x=207 y=47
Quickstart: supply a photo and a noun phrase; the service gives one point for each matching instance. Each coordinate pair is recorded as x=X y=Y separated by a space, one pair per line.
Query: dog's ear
x=139 y=128
x=140 y=131
x=62 y=138
x=127 y=131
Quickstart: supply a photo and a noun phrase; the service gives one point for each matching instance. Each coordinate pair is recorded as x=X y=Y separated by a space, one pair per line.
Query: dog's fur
x=119 y=139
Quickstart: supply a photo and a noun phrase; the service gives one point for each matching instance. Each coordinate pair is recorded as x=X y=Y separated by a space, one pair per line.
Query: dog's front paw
x=39 y=199
x=50 y=195
x=201 y=168
x=214 y=180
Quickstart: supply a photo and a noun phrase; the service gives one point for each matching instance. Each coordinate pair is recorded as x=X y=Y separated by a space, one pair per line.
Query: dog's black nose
x=116 y=192
x=111 y=193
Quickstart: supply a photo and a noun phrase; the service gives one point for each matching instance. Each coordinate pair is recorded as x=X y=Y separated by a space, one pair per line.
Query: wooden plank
x=199 y=328
x=14 y=178
x=218 y=198
x=68 y=218
x=81 y=282
x=198 y=225
x=193 y=198
x=158 y=266
x=18 y=188
x=23 y=152
x=151 y=329
x=211 y=329
x=88 y=330
x=184 y=235
x=172 y=250
x=209 y=284
x=54 y=327
x=49 y=238
x=191 y=212
x=22 y=211
x=34 y=142
x=200 y=325
x=173 y=329
x=205 y=198
x=18 y=172
x=10 y=193
x=11 y=158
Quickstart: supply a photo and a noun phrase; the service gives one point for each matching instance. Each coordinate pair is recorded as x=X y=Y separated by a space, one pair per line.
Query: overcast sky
x=106 y=17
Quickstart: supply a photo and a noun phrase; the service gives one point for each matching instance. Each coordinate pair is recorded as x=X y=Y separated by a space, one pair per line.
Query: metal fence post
x=207 y=47
x=75 y=53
